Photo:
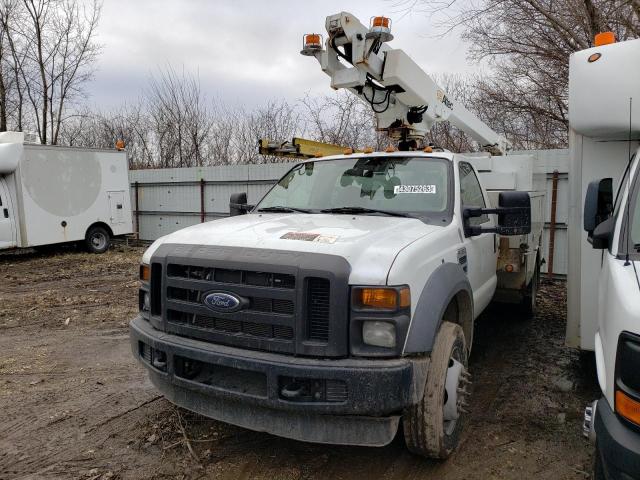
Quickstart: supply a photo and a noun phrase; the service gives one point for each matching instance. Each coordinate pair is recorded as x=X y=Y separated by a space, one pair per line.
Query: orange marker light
x=145 y=272
x=348 y=151
x=390 y=149
x=120 y=145
x=604 y=38
x=628 y=407
x=427 y=150
x=368 y=150
x=383 y=298
x=509 y=268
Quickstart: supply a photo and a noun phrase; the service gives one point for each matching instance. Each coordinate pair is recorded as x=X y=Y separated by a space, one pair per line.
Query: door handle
x=6 y=212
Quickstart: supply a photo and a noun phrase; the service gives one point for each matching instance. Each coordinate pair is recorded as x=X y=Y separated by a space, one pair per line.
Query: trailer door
x=7 y=218
x=116 y=207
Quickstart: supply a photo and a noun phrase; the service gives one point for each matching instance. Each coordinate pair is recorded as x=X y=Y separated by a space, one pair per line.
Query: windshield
x=412 y=185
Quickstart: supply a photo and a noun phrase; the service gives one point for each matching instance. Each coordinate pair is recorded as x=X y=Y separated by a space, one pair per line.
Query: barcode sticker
x=414 y=189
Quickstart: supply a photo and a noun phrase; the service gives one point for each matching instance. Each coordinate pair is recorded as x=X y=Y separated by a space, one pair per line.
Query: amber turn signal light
x=627 y=407
x=145 y=273
x=383 y=298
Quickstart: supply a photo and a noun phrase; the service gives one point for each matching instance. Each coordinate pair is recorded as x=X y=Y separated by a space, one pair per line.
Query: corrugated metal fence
x=166 y=200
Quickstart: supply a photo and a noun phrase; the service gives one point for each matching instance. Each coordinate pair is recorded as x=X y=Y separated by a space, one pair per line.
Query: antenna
x=629 y=192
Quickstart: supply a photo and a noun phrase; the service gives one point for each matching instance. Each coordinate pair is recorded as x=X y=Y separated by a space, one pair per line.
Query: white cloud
x=243 y=51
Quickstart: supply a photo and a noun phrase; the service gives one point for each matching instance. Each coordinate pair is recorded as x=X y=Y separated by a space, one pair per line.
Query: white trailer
x=599 y=144
x=51 y=194
x=604 y=239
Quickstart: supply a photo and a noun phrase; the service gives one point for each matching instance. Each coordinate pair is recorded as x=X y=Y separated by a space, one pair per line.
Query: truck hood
x=369 y=243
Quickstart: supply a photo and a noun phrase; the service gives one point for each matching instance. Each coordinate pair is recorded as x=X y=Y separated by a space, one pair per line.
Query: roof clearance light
x=311 y=44
x=368 y=150
x=427 y=149
x=380 y=28
x=390 y=149
x=120 y=145
x=347 y=151
x=604 y=38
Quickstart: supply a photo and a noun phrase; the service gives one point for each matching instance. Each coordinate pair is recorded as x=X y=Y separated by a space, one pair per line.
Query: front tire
x=97 y=240
x=433 y=426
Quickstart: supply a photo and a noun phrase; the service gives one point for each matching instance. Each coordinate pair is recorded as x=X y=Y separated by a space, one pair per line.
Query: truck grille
x=225 y=325
x=290 y=303
x=318 y=308
x=237 y=277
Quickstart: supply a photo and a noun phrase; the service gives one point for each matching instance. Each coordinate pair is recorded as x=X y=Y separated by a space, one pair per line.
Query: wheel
x=433 y=426
x=97 y=240
x=529 y=301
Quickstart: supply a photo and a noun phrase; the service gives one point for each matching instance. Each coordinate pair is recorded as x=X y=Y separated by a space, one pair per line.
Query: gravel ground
x=75 y=404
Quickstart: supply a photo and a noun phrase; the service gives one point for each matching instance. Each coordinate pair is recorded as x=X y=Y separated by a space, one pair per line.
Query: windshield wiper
x=279 y=208
x=357 y=210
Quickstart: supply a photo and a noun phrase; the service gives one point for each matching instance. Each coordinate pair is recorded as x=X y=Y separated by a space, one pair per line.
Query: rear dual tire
x=529 y=303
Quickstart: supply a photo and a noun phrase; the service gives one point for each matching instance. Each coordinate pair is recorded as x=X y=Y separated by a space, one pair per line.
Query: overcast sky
x=243 y=51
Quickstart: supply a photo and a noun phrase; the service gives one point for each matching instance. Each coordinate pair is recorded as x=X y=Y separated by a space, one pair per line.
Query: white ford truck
x=341 y=304
x=604 y=236
x=344 y=302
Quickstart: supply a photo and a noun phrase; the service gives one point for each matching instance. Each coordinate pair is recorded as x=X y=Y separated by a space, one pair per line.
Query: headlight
x=379 y=334
x=146 y=305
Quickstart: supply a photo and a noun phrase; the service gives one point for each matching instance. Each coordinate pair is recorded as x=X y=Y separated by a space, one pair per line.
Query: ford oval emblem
x=223 y=302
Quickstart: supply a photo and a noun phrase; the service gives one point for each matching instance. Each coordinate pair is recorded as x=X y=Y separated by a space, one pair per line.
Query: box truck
x=52 y=194
x=604 y=239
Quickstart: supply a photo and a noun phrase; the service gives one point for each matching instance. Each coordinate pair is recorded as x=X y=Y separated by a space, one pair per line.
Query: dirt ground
x=75 y=404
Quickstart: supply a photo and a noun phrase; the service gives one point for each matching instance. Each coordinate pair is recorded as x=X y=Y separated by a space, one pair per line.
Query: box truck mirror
x=598 y=204
x=514 y=215
x=238 y=204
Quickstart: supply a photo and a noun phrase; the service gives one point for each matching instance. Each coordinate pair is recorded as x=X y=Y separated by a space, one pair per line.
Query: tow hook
x=588 y=425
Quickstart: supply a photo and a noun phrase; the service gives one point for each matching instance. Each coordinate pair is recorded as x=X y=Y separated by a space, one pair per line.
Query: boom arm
x=406 y=101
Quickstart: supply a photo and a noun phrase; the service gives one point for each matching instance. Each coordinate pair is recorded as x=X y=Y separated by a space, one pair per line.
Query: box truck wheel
x=97 y=240
x=432 y=427
x=529 y=303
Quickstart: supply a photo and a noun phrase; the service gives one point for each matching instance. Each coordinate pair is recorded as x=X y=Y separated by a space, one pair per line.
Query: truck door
x=7 y=218
x=480 y=249
x=116 y=207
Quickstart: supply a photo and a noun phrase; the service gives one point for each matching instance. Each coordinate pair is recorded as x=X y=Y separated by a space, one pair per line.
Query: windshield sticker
x=414 y=189
x=309 y=237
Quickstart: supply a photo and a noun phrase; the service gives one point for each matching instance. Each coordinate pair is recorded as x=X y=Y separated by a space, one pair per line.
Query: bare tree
x=342 y=119
x=527 y=44
x=180 y=118
x=53 y=51
x=276 y=120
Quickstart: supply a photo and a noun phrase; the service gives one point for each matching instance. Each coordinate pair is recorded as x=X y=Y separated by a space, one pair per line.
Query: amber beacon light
x=604 y=38
x=311 y=43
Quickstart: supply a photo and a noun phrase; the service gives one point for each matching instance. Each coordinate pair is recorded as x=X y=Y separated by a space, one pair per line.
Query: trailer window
x=471 y=192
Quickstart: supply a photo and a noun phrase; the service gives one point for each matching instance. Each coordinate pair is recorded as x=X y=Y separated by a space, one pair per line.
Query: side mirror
x=601 y=237
x=514 y=215
x=238 y=204
x=598 y=204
